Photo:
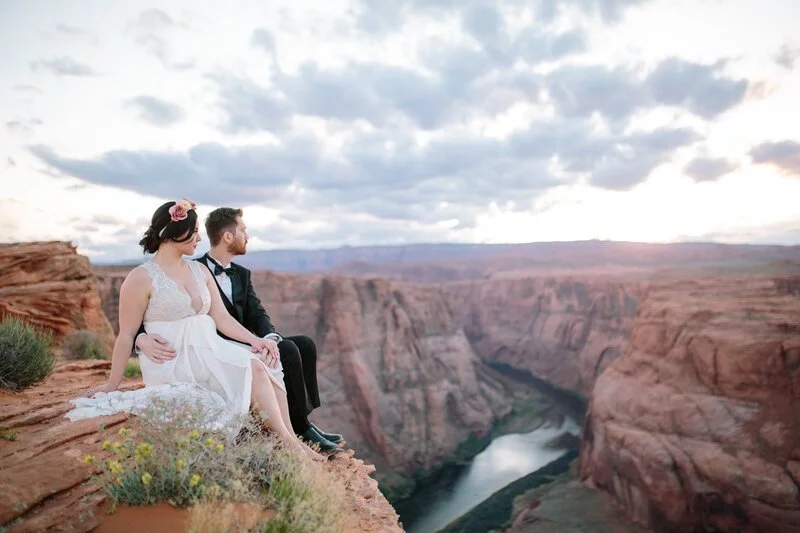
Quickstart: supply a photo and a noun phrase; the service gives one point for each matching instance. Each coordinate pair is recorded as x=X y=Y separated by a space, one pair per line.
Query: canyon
x=692 y=373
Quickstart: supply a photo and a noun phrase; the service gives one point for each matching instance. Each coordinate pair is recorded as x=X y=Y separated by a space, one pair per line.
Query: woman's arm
x=134 y=295
x=223 y=319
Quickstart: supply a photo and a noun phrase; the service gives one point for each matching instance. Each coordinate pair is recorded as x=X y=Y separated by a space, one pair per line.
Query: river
x=506 y=459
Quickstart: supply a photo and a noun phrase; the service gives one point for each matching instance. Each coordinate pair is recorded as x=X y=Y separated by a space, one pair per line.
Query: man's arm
x=256 y=318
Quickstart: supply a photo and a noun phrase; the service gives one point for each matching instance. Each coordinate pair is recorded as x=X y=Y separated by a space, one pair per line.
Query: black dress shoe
x=333 y=437
x=312 y=437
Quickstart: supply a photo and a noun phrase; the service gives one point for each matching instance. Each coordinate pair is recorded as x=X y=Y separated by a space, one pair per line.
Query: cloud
x=27 y=89
x=708 y=168
x=23 y=127
x=787 y=56
x=783 y=154
x=700 y=88
x=66 y=29
x=156 y=111
x=63 y=66
x=152 y=29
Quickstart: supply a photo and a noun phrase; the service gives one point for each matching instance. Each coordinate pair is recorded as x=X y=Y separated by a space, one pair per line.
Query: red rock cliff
x=696 y=427
x=48 y=284
x=564 y=330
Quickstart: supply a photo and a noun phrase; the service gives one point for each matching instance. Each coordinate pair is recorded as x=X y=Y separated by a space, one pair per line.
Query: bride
x=179 y=300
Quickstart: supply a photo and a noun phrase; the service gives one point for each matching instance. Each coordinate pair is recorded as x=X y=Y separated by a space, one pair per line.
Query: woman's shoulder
x=141 y=275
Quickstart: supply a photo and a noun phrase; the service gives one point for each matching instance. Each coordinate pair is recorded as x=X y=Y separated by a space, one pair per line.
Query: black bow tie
x=218 y=268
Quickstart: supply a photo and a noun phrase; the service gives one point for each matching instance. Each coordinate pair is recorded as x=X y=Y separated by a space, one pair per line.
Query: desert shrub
x=25 y=356
x=132 y=368
x=82 y=345
x=170 y=457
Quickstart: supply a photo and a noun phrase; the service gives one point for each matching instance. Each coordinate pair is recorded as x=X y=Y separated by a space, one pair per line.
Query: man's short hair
x=221 y=220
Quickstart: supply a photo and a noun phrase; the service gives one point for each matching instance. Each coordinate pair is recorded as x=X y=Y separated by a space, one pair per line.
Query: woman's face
x=189 y=247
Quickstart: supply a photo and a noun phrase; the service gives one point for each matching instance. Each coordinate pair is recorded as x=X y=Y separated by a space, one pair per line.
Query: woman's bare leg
x=264 y=400
x=284 y=408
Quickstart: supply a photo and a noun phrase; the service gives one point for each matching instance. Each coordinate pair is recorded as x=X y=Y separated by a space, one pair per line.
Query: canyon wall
x=566 y=331
x=696 y=426
x=49 y=285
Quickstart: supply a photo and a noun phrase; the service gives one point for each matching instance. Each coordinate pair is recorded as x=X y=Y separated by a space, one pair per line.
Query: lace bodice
x=170 y=302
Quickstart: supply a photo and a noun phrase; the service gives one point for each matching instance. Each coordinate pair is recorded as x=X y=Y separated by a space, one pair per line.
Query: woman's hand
x=268 y=351
x=108 y=387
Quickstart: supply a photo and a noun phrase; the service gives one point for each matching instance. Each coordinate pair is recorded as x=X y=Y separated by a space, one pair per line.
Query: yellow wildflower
x=180 y=464
x=144 y=449
x=210 y=442
x=115 y=467
x=107 y=445
x=146 y=478
x=117 y=446
x=194 y=480
x=194 y=434
x=124 y=433
x=220 y=447
x=89 y=459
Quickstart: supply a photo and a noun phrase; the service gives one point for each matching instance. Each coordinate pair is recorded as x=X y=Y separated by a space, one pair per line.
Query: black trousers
x=299 y=359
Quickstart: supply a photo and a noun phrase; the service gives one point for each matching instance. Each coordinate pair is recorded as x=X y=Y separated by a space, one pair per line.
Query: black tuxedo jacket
x=246 y=307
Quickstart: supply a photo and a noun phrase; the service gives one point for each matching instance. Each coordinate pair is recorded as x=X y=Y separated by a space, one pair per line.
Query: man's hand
x=268 y=349
x=155 y=347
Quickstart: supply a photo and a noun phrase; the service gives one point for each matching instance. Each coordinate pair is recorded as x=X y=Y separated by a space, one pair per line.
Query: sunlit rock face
x=696 y=426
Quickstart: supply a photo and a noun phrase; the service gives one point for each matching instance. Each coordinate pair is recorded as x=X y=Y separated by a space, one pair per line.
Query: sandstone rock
x=46 y=486
x=49 y=285
x=695 y=426
x=565 y=331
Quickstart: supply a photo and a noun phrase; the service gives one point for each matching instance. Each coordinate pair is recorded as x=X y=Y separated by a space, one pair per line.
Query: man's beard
x=236 y=249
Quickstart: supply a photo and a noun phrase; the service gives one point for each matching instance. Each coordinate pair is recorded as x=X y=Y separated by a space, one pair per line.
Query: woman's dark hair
x=163 y=228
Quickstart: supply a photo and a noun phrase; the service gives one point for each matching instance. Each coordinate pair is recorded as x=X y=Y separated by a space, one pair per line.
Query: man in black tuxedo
x=298 y=355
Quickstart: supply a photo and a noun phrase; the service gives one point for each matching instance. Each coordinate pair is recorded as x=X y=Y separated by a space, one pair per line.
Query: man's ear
x=227 y=237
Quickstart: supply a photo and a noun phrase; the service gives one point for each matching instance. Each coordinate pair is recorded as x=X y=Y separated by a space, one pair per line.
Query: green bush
x=25 y=356
x=83 y=345
x=132 y=368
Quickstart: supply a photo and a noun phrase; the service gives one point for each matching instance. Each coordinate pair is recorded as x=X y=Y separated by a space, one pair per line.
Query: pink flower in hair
x=187 y=204
x=177 y=212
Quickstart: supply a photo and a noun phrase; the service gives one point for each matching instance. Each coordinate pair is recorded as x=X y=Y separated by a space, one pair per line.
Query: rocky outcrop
x=695 y=427
x=49 y=285
x=566 y=331
x=46 y=486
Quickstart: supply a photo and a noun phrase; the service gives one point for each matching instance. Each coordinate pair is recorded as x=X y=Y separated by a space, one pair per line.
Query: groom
x=228 y=235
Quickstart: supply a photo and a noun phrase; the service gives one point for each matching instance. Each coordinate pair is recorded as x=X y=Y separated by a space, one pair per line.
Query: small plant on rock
x=132 y=368
x=25 y=356
x=83 y=345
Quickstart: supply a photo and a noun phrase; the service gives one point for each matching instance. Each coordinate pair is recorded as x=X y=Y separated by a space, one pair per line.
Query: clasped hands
x=268 y=352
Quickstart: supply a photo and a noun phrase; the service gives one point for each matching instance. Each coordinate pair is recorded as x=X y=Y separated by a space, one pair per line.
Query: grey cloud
x=63 y=66
x=156 y=111
x=783 y=154
x=249 y=107
x=700 y=88
x=634 y=158
x=209 y=173
x=582 y=90
x=27 y=88
x=23 y=126
x=787 y=56
x=616 y=93
x=708 y=168
x=66 y=29
x=263 y=38
x=151 y=29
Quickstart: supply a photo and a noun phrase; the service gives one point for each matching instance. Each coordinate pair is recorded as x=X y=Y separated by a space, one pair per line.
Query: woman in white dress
x=179 y=300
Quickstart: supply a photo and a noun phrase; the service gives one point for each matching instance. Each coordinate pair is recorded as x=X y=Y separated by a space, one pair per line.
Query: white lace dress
x=207 y=370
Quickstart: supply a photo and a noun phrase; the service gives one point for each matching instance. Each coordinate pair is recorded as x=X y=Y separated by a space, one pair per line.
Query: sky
x=367 y=122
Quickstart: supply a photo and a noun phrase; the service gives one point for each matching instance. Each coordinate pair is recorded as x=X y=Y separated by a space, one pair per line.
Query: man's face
x=238 y=243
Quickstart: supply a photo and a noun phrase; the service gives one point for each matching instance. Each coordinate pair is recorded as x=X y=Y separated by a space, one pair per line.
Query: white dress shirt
x=223 y=279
